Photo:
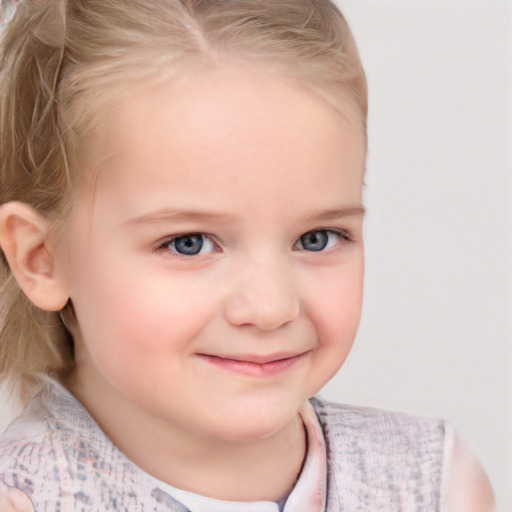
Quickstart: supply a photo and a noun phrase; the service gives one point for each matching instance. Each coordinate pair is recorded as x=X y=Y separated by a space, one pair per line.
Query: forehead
x=231 y=129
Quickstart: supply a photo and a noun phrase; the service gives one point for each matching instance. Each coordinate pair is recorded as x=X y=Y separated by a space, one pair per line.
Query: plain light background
x=436 y=333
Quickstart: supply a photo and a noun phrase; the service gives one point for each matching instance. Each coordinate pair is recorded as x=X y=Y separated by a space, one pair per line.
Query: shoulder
x=32 y=451
x=378 y=426
x=381 y=460
x=27 y=436
x=466 y=486
x=58 y=455
x=382 y=447
x=407 y=457
x=50 y=450
x=48 y=422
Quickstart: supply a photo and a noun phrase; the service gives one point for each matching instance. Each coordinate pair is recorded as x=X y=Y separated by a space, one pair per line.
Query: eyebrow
x=167 y=215
x=338 y=213
x=198 y=216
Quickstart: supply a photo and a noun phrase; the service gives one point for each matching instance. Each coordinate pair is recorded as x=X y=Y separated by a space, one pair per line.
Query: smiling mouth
x=255 y=366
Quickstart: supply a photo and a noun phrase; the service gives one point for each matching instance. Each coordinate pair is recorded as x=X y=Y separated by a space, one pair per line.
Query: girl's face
x=216 y=269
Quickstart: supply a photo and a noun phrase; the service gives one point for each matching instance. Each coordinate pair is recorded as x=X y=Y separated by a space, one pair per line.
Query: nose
x=263 y=294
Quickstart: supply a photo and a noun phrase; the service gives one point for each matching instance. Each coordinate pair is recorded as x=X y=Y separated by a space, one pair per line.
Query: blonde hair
x=59 y=61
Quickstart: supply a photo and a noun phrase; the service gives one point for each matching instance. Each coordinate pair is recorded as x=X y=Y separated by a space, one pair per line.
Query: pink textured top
x=359 y=459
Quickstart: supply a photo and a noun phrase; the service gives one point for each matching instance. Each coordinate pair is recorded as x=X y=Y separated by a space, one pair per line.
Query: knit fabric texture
x=377 y=460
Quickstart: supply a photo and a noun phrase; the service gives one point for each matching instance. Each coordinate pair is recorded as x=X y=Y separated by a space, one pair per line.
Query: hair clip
x=8 y=10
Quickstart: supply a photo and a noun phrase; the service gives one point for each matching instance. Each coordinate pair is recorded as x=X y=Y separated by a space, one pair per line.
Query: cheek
x=336 y=303
x=144 y=310
x=335 y=310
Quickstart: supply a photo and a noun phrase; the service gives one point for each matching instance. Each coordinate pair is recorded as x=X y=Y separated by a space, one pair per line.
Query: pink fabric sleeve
x=466 y=487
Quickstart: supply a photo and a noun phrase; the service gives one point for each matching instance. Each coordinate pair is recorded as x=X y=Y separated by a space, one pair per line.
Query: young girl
x=181 y=228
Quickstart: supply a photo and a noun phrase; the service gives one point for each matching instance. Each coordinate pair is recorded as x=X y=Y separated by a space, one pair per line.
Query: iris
x=315 y=240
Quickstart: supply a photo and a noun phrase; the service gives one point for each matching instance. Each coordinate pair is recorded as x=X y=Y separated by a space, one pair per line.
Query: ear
x=25 y=242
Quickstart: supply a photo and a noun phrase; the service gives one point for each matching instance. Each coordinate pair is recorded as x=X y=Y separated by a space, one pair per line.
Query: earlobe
x=24 y=239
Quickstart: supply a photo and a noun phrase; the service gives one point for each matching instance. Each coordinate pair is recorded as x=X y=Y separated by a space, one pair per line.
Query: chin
x=258 y=420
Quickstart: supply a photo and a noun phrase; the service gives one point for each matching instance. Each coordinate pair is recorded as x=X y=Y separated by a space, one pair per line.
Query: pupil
x=315 y=241
x=189 y=245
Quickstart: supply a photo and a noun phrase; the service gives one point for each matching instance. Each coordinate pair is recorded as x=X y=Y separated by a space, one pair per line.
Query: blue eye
x=318 y=240
x=190 y=244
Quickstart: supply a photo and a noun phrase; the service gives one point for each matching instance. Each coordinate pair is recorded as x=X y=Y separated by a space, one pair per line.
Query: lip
x=255 y=365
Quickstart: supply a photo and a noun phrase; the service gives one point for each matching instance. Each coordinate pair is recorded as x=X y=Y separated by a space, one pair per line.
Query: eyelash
x=165 y=244
x=344 y=236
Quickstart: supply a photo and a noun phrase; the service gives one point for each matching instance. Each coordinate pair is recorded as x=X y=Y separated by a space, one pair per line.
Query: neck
x=243 y=470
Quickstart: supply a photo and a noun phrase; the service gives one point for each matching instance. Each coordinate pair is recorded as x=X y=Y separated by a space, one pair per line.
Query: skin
x=255 y=162
x=13 y=500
